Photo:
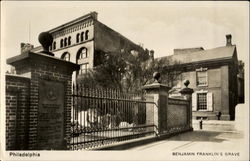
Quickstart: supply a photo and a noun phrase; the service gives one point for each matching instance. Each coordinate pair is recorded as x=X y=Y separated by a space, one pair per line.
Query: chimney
x=25 y=47
x=94 y=15
x=229 y=40
x=151 y=53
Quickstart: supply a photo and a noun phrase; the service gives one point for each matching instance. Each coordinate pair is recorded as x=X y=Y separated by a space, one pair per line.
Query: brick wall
x=177 y=113
x=17 y=108
x=40 y=68
x=170 y=115
x=47 y=71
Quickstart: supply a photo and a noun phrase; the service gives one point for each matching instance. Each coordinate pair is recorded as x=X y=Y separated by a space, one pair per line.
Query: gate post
x=187 y=93
x=158 y=93
x=49 y=116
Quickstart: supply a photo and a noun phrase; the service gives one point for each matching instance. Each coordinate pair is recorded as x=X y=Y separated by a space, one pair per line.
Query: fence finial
x=186 y=83
x=156 y=76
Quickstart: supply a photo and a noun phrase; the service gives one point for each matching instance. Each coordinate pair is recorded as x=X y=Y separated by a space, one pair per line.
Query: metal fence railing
x=104 y=116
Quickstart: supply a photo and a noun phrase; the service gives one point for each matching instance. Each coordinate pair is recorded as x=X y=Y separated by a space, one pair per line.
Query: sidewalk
x=215 y=136
x=199 y=140
x=215 y=125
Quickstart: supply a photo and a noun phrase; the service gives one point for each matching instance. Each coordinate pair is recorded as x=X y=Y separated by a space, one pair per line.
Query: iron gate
x=105 y=116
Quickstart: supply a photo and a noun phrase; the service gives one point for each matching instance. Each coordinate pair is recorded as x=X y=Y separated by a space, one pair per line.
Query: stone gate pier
x=170 y=115
x=40 y=106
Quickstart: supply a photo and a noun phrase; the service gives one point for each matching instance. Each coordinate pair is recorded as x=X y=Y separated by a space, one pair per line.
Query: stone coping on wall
x=15 y=76
x=155 y=86
x=178 y=101
x=22 y=58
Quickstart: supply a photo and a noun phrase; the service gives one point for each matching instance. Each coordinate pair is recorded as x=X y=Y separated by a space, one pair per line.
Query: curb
x=139 y=142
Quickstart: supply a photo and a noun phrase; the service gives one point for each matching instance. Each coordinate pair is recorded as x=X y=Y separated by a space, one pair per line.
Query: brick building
x=213 y=76
x=85 y=41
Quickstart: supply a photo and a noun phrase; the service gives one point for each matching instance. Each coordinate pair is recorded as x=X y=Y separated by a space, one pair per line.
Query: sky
x=159 y=26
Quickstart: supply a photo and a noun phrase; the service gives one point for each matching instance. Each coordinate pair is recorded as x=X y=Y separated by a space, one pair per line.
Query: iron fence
x=106 y=116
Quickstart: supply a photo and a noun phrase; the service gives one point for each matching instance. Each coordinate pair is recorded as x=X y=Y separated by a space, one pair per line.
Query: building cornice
x=74 y=25
x=204 y=63
x=70 y=23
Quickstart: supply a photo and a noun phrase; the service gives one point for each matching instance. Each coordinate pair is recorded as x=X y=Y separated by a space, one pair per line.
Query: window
x=69 y=40
x=82 y=36
x=65 y=42
x=50 y=47
x=77 y=38
x=82 y=53
x=84 y=68
x=61 y=43
x=54 y=45
x=87 y=35
x=201 y=101
x=66 y=56
x=201 y=76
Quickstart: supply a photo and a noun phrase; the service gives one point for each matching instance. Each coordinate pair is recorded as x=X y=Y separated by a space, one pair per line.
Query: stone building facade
x=85 y=41
x=213 y=76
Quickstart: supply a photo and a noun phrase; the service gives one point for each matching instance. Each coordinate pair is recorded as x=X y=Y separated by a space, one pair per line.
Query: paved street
x=202 y=140
x=229 y=136
x=223 y=137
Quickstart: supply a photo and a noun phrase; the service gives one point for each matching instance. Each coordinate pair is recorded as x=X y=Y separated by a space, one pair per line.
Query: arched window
x=82 y=36
x=50 y=47
x=65 y=41
x=69 y=40
x=77 y=38
x=54 y=45
x=61 y=43
x=87 y=35
x=66 y=56
x=82 y=53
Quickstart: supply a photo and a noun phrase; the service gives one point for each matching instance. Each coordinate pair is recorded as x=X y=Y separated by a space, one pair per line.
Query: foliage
x=108 y=74
x=130 y=72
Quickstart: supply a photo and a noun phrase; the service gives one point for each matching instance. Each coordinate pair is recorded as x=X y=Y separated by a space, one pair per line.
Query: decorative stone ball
x=157 y=76
x=186 y=82
x=46 y=39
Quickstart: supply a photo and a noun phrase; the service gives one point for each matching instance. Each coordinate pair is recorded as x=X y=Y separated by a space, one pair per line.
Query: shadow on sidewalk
x=209 y=136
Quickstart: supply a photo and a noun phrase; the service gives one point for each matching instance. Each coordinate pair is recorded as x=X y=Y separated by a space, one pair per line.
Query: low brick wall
x=17 y=110
x=177 y=113
x=170 y=115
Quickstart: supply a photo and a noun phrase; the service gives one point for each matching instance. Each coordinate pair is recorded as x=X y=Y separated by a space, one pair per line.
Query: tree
x=131 y=71
x=170 y=71
x=107 y=74
x=141 y=69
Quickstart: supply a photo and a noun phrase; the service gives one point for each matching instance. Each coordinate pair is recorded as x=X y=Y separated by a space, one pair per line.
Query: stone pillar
x=187 y=93
x=50 y=98
x=159 y=95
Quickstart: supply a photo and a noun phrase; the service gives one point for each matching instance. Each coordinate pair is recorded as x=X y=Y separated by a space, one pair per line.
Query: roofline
x=225 y=59
x=119 y=34
x=72 y=22
x=206 y=62
x=235 y=50
x=37 y=48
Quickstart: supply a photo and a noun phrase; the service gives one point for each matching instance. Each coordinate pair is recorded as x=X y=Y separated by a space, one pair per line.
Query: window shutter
x=210 y=101
x=194 y=102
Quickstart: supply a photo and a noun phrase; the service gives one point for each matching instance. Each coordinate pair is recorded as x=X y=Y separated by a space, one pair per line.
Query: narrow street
x=215 y=136
x=201 y=140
